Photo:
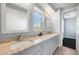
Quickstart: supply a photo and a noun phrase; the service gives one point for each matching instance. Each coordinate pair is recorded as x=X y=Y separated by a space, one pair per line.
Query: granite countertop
x=15 y=46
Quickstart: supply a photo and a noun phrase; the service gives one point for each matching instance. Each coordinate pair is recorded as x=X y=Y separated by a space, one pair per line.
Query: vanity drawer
x=23 y=52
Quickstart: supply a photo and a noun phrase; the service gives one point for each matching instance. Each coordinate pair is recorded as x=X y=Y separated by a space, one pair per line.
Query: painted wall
x=77 y=30
x=56 y=22
x=61 y=28
x=70 y=28
x=56 y=25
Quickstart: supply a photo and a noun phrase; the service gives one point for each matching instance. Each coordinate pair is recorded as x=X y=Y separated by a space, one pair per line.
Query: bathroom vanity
x=32 y=45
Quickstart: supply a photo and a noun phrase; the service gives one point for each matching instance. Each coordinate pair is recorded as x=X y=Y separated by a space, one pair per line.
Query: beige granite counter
x=15 y=46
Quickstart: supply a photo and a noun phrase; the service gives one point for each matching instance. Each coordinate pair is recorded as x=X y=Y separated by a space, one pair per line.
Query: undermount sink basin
x=37 y=41
x=20 y=44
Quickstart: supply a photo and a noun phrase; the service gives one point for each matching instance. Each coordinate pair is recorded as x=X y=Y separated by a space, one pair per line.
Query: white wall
x=56 y=25
x=77 y=21
x=69 y=17
x=77 y=30
x=70 y=28
x=56 y=22
x=61 y=28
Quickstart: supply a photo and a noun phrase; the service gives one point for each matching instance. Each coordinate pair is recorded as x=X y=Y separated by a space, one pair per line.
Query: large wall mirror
x=16 y=19
x=48 y=24
x=38 y=18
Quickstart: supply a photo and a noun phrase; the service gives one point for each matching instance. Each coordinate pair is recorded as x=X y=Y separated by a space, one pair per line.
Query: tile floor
x=65 y=51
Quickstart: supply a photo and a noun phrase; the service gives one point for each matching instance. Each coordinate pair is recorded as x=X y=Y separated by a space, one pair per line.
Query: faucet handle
x=18 y=39
x=21 y=37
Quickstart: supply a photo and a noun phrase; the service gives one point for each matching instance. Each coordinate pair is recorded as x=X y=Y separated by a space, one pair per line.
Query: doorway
x=70 y=30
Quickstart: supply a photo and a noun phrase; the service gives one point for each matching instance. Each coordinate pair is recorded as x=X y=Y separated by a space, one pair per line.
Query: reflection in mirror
x=37 y=20
x=16 y=19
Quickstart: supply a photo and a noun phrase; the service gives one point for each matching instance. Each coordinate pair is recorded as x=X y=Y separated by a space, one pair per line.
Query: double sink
x=24 y=42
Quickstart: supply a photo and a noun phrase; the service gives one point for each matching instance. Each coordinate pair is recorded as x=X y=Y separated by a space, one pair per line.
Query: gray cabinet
x=50 y=45
x=33 y=50
x=24 y=52
x=46 y=47
x=36 y=49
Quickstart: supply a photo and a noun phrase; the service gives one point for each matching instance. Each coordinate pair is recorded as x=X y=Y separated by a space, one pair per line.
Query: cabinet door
x=39 y=52
x=50 y=45
x=46 y=47
x=23 y=52
x=53 y=44
x=77 y=30
x=33 y=50
x=36 y=49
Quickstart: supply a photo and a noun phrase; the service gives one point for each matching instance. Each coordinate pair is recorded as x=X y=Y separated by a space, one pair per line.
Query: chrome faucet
x=20 y=38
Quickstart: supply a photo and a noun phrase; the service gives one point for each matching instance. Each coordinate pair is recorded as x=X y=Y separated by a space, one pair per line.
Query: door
x=70 y=29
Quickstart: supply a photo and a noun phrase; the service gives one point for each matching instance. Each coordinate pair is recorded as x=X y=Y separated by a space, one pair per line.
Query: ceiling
x=69 y=15
x=47 y=8
x=23 y=5
x=63 y=6
x=54 y=6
